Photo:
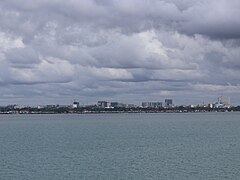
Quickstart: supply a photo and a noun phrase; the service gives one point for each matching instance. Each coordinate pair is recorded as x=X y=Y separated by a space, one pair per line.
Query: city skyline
x=222 y=101
x=223 y=104
x=126 y=51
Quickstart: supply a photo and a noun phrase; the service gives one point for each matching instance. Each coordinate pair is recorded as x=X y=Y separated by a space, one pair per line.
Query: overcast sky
x=55 y=51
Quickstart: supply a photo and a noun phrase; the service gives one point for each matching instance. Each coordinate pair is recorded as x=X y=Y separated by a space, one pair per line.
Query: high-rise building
x=114 y=104
x=151 y=104
x=75 y=105
x=157 y=104
x=103 y=104
x=117 y=105
x=168 y=102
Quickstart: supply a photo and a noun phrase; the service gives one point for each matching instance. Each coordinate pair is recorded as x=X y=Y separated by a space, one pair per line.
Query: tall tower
x=168 y=102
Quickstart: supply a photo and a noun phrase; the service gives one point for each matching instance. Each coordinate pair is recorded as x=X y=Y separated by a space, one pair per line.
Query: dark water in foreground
x=120 y=146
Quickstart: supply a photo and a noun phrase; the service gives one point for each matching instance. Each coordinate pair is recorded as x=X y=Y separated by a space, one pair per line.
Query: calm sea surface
x=120 y=146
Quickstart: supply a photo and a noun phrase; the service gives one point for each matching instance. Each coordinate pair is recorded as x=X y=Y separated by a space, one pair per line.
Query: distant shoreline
x=107 y=112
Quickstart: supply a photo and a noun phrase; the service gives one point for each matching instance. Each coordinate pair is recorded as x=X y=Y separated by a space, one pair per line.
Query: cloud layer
x=129 y=50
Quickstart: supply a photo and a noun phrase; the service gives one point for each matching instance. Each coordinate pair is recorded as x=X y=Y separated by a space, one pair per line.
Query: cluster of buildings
x=222 y=102
x=168 y=103
x=106 y=104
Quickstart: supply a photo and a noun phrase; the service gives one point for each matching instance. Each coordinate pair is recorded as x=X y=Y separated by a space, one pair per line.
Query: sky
x=54 y=52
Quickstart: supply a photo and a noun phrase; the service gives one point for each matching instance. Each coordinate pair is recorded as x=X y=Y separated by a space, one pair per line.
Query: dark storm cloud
x=126 y=49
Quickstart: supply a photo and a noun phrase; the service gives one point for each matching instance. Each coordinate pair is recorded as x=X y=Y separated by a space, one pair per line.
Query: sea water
x=120 y=146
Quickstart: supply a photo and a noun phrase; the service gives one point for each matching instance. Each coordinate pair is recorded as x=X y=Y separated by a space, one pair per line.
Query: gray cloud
x=22 y=57
x=125 y=50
